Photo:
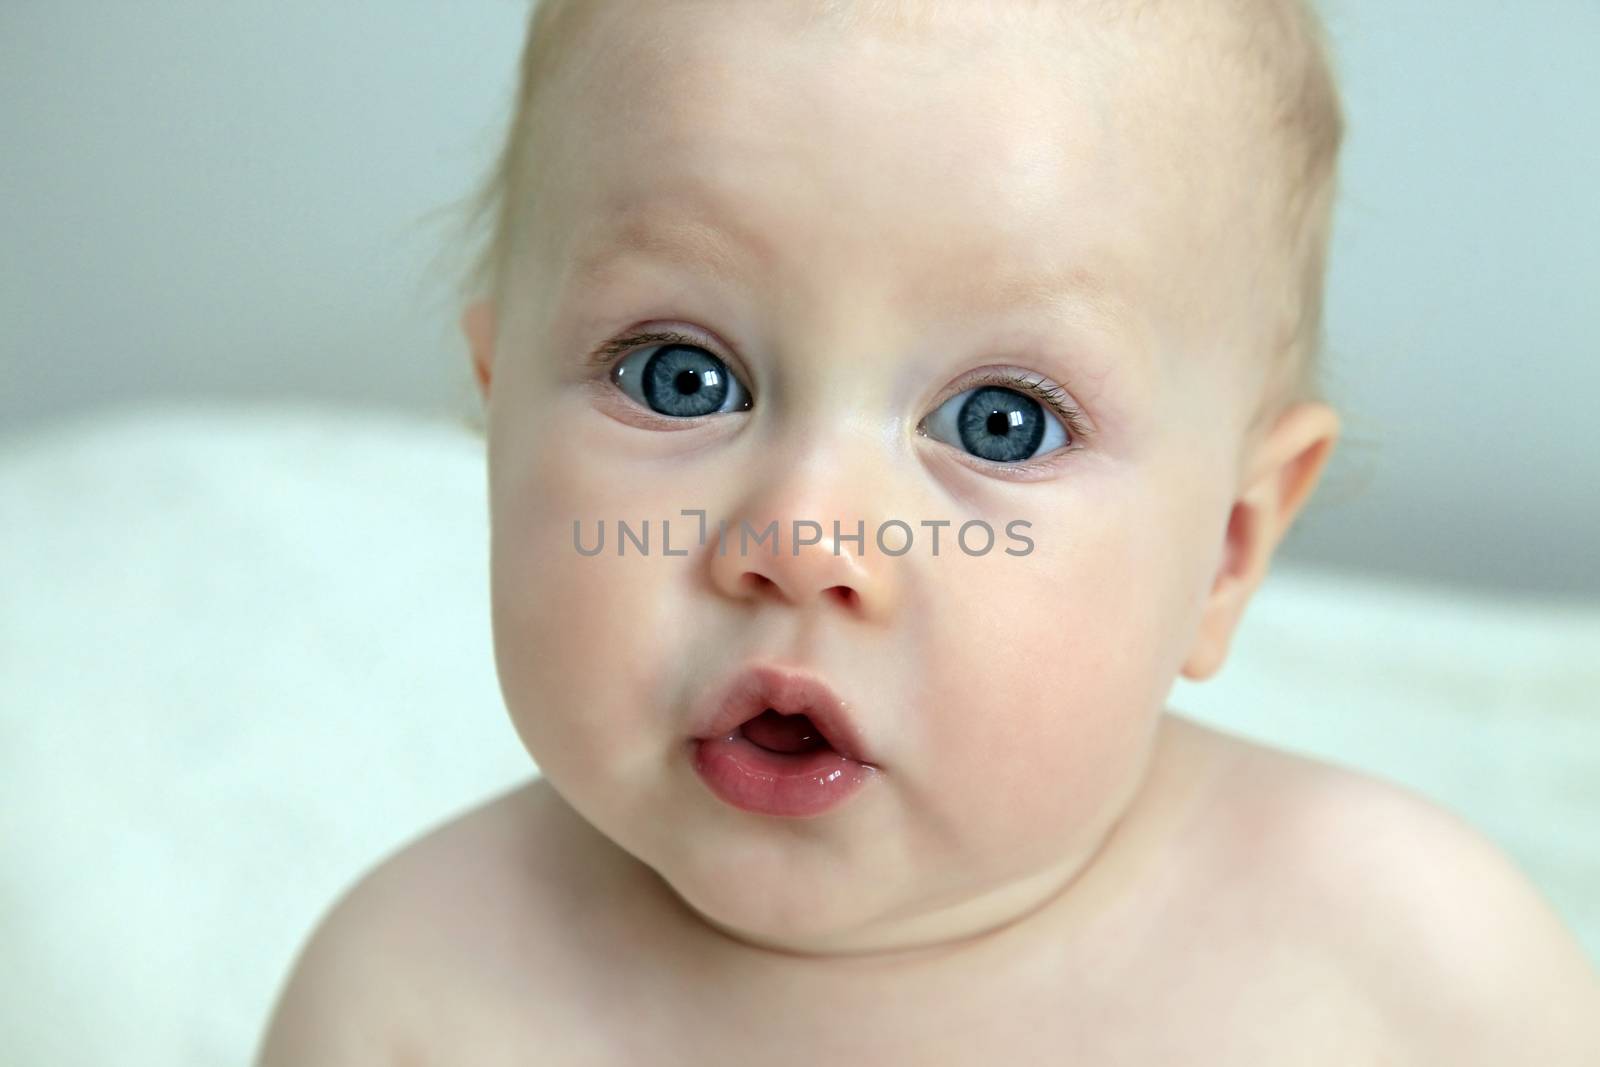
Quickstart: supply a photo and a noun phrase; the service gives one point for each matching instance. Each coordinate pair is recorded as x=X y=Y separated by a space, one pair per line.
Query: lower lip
x=753 y=779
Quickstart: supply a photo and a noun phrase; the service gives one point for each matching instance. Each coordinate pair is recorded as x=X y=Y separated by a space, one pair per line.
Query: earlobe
x=1285 y=469
x=477 y=324
x=1230 y=589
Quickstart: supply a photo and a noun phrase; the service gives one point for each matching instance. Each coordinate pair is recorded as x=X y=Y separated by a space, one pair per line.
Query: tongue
x=783 y=733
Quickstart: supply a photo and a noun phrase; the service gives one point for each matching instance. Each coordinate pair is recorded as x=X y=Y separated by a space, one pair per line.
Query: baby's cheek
x=579 y=629
x=1052 y=699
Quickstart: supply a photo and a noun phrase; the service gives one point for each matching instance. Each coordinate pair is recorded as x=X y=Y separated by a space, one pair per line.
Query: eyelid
x=609 y=352
x=1032 y=384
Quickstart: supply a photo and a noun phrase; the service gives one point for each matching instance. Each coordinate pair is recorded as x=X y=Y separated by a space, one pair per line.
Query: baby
x=885 y=403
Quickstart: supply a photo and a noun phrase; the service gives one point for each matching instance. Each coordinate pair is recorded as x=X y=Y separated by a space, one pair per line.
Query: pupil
x=1000 y=424
x=684 y=381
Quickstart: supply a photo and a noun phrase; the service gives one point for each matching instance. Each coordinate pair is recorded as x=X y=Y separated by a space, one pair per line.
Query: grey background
x=241 y=200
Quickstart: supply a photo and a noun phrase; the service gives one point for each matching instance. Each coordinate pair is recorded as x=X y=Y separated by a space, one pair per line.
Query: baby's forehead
x=737 y=87
x=1146 y=95
x=1175 y=68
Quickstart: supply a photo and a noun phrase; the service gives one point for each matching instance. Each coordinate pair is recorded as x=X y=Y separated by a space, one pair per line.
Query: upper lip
x=790 y=692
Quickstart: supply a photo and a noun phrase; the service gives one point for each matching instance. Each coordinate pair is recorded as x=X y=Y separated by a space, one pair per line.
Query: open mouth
x=787 y=734
x=787 y=721
x=779 y=743
x=782 y=711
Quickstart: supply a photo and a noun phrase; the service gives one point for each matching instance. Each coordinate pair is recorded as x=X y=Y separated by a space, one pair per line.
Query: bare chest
x=603 y=971
x=1238 y=1007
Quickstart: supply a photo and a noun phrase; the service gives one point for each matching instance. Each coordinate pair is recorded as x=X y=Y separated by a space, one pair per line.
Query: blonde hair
x=1281 y=44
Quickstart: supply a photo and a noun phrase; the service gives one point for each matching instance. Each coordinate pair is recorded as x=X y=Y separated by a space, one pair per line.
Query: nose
x=794 y=558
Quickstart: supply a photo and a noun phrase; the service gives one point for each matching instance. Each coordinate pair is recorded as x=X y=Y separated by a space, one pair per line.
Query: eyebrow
x=724 y=251
x=1057 y=288
x=720 y=251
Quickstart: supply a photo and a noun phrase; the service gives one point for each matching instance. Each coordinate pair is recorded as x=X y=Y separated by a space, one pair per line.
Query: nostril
x=758 y=582
x=846 y=595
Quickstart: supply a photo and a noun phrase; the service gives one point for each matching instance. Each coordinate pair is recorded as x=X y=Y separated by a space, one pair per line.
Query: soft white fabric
x=245 y=652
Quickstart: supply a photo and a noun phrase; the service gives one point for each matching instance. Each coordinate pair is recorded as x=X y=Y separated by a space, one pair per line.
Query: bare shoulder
x=1462 y=956
x=421 y=951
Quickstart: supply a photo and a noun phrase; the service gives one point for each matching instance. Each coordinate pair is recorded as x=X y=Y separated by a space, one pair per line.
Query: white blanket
x=245 y=652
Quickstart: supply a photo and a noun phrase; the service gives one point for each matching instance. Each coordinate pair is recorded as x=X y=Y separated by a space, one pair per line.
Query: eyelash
x=1051 y=396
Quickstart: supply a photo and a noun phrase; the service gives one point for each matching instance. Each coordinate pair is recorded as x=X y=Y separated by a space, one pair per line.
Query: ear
x=477 y=323
x=1284 y=469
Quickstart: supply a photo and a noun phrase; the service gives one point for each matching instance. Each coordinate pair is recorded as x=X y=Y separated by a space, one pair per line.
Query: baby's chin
x=828 y=924
x=799 y=890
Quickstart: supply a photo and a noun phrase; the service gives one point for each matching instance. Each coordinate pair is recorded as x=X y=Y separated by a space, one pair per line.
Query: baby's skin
x=853 y=228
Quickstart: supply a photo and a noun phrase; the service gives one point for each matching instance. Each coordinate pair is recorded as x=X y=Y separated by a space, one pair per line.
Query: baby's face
x=861 y=229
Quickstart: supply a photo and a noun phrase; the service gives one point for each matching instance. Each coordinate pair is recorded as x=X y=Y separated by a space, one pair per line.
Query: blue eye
x=680 y=381
x=998 y=424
